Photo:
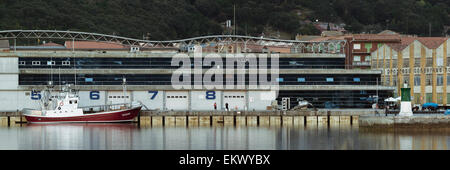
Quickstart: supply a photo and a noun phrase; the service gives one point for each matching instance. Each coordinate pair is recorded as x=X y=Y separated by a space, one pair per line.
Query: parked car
x=430 y=106
x=447 y=112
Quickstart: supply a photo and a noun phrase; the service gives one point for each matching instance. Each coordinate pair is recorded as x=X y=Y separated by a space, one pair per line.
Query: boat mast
x=124 y=87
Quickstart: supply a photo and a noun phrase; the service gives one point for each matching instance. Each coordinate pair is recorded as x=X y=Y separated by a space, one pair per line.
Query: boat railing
x=108 y=107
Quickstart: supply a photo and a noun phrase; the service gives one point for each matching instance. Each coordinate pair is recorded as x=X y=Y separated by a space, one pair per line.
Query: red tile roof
x=376 y=37
x=432 y=42
x=329 y=38
x=94 y=45
x=429 y=42
x=405 y=42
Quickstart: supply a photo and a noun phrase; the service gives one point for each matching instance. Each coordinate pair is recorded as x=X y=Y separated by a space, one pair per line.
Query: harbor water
x=133 y=137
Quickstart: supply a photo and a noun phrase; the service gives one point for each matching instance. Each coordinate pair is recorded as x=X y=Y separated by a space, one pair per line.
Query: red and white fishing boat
x=64 y=108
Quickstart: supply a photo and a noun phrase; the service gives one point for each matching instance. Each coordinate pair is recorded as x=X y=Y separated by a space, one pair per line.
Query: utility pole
x=429 y=29
x=234 y=18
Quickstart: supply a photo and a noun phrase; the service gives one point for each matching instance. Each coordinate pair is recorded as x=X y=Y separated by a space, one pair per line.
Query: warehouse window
x=89 y=79
x=301 y=79
x=356 y=58
x=35 y=63
x=356 y=46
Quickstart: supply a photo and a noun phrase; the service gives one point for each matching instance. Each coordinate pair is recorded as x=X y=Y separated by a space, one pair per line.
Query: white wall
x=9 y=65
x=180 y=104
x=145 y=98
x=199 y=102
x=85 y=98
x=239 y=102
x=259 y=100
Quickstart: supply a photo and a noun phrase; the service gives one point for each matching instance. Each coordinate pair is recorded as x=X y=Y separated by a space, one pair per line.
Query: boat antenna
x=59 y=78
x=51 y=68
x=74 y=62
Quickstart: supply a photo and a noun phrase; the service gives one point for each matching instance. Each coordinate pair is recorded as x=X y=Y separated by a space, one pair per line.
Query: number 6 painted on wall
x=94 y=95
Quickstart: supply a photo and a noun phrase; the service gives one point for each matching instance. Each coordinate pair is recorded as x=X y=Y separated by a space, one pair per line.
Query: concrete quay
x=415 y=121
x=319 y=112
x=230 y=118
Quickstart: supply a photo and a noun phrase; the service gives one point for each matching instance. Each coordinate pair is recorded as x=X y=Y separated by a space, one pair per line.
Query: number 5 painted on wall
x=154 y=94
x=35 y=95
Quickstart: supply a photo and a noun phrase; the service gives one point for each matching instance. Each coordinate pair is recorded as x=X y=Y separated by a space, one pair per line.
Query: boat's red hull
x=111 y=116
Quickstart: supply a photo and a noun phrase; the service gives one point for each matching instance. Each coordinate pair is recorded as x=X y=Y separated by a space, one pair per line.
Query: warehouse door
x=177 y=100
x=115 y=97
x=235 y=100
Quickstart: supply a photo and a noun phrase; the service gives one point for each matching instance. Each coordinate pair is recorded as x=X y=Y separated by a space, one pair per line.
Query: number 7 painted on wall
x=154 y=94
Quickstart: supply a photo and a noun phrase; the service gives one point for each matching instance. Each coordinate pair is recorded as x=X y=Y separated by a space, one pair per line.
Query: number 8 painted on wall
x=210 y=95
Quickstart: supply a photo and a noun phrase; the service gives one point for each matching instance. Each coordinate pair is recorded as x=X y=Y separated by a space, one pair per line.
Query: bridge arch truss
x=329 y=46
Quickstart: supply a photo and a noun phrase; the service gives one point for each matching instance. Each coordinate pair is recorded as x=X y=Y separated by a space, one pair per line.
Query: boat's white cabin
x=67 y=106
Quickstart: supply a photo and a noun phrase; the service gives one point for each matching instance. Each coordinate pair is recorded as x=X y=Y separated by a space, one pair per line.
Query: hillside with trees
x=175 y=19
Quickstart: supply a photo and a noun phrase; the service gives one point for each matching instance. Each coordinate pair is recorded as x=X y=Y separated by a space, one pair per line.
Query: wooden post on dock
x=138 y=121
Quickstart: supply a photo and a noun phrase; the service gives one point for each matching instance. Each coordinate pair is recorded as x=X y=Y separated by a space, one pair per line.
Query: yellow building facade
x=420 y=62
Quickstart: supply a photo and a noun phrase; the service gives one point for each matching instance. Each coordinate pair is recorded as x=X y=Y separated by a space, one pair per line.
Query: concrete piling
x=180 y=121
x=288 y=121
x=205 y=120
x=298 y=121
x=355 y=120
x=311 y=120
x=252 y=120
x=334 y=120
x=23 y=119
x=169 y=121
x=241 y=120
x=264 y=121
x=275 y=120
x=322 y=120
x=3 y=121
x=217 y=121
x=228 y=120
x=344 y=119
x=157 y=121
x=193 y=121
x=145 y=121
